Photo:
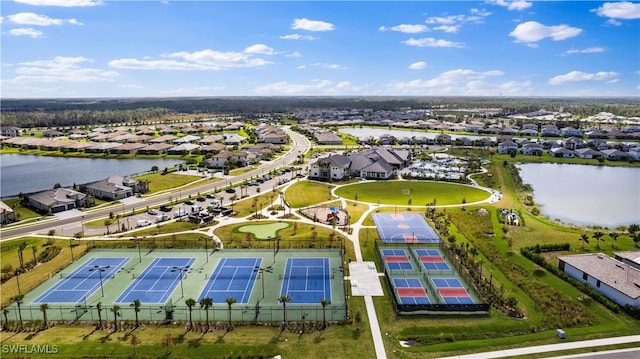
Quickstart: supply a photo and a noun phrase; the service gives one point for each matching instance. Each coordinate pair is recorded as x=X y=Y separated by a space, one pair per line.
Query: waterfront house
x=112 y=188
x=56 y=200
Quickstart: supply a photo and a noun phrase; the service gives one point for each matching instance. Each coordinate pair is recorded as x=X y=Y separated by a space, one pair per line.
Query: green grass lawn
x=306 y=193
x=264 y=231
x=412 y=193
x=159 y=182
x=21 y=212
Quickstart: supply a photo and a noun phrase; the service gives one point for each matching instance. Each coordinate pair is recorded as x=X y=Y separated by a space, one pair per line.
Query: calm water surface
x=31 y=173
x=585 y=195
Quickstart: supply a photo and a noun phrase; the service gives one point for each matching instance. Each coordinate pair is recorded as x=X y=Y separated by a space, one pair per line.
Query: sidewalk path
x=550 y=348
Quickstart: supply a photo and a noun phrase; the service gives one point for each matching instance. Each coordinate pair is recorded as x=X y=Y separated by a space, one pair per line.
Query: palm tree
x=230 y=301
x=18 y=300
x=284 y=300
x=5 y=312
x=21 y=248
x=614 y=237
x=43 y=309
x=190 y=302
x=99 y=308
x=136 y=309
x=324 y=303
x=206 y=303
x=584 y=238
x=116 y=313
x=598 y=237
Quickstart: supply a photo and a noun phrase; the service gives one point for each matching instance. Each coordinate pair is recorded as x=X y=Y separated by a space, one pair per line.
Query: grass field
x=306 y=193
x=159 y=182
x=416 y=193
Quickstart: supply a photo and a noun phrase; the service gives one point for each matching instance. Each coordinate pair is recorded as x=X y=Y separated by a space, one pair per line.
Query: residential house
x=635 y=152
x=56 y=200
x=507 y=146
x=631 y=258
x=616 y=280
x=561 y=152
x=233 y=139
x=164 y=139
x=529 y=132
x=112 y=188
x=53 y=133
x=573 y=143
x=212 y=148
x=324 y=137
x=616 y=155
x=211 y=139
x=532 y=149
x=333 y=167
x=549 y=131
x=7 y=215
x=570 y=132
x=10 y=131
x=183 y=149
x=155 y=149
x=442 y=139
x=587 y=152
x=186 y=139
x=530 y=126
x=227 y=159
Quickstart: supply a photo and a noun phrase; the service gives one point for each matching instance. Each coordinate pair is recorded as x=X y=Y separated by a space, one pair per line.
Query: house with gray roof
x=56 y=200
x=112 y=188
x=588 y=153
x=616 y=280
x=333 y=167
x=631 y=258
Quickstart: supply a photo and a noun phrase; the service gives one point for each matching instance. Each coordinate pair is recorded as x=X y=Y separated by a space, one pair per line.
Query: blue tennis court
x=82 y=282
x=410 y=291
x=404 y=228
x=158 y=281
x=232 y=278
x=452 y=291
x=432 y=259
x=397 y=259
x=307 y=280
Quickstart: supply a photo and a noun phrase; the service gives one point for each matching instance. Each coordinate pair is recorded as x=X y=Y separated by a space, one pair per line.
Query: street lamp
x=99 y=269
x=261 y=271
x=180 y=271
x=206 y=247
x=138 y=244
x=71 y=249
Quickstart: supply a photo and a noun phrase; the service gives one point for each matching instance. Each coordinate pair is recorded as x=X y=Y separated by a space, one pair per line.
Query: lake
x=585 y=195
x=31 y=173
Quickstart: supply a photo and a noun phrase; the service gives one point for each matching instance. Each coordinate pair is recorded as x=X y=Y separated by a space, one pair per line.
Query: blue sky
x=93 y=48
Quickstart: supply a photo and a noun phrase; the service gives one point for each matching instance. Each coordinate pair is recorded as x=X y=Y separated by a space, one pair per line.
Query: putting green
x=414 y=193
x=264 y=231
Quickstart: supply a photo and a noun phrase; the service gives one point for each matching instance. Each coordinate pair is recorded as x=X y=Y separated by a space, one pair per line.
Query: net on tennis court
x=310 y=276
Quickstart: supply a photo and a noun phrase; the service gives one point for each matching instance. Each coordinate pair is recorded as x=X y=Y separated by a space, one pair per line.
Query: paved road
x=301 y=144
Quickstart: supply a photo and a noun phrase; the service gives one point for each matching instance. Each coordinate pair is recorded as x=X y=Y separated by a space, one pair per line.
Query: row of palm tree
x=206 y=303
x=597 y=235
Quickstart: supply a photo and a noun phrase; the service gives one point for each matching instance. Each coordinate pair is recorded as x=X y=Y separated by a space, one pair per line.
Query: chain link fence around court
x=158 y=314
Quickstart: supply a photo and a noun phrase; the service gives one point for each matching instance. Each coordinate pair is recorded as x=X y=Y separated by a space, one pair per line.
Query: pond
x=31 y=173
x=585 y=195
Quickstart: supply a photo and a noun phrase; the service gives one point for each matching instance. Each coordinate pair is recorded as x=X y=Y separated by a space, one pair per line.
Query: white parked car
x=143 y=223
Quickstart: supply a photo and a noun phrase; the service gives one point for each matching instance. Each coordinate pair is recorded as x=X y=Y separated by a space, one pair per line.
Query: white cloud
x=462 y=82
x=294 y=54
x=259 y=49
x=447 y=28
x=578 y=76
x=30 y=18
x=432 y=42
x=619 y=10
x=311 y=25
x=298 y=37
x=64 y=3
x=193 y=91
x=199 y=60
x=323 y=65
x=59 y=69
x=316 y=87
x=406 y=28
x=26 y=32
x=588 y=50
x=418 y=65
x=532 y=31
x=517 y=5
